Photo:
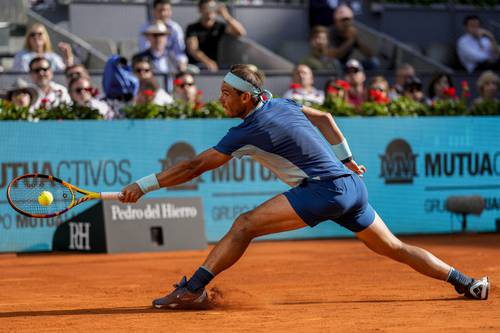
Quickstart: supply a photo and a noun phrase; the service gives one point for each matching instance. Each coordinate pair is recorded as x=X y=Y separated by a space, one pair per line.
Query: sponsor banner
x=154 y=225
x=414 y=164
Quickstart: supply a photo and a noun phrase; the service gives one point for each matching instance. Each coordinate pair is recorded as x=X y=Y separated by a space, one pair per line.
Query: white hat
x=21 y=85
x=157 y=28
x=353 y=63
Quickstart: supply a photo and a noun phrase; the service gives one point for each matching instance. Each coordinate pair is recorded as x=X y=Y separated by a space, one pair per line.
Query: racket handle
x=111 y=195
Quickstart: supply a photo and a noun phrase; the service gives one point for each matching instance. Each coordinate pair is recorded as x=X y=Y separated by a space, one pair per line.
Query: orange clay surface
x=300 y=286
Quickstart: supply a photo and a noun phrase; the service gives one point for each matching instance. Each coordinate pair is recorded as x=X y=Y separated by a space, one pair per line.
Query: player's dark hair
x=37 y=60
x=249 y=73
x=471 y=18
x=161 y=2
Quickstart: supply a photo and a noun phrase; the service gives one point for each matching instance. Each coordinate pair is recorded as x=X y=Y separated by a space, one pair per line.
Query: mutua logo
x=178 y=152
x=398 y=165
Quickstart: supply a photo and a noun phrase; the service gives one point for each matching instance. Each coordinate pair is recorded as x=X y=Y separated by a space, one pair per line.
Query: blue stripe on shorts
x=343 y=200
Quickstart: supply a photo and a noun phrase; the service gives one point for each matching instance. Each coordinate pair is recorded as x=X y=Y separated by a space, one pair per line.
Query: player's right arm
x=181 y=172
x=328 y=127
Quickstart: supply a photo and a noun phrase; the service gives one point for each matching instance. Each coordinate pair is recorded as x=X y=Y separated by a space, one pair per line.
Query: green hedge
x=180 y=110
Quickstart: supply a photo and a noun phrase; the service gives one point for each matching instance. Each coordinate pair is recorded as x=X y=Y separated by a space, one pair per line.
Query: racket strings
x=25 y=192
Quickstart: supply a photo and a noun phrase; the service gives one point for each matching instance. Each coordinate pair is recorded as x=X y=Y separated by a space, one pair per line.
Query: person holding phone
x=203 y=36
x=477 y=49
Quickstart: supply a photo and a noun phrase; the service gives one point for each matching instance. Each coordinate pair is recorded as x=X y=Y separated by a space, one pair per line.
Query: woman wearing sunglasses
x=82 y=94
x=37 y=44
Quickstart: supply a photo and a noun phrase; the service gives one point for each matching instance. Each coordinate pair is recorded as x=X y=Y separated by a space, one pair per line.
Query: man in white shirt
x=50 y=94
x=477 y=49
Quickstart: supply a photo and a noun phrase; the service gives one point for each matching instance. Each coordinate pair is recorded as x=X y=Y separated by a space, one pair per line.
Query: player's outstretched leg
x=273 y=216
x=380 y=239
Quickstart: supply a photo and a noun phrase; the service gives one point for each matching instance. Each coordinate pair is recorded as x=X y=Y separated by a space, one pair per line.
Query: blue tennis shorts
x=343 y=200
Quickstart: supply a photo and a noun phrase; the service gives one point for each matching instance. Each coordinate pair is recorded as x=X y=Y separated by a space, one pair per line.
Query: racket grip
x=111 y=195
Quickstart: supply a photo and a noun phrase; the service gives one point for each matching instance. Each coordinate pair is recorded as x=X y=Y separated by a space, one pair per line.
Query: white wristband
x=342 y=151
x=148 y=183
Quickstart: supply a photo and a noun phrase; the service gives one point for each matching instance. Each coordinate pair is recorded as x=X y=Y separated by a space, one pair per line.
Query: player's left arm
x=326 y=124
x=181 y=172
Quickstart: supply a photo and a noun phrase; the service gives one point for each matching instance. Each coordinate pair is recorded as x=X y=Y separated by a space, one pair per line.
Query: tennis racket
x=23 y=194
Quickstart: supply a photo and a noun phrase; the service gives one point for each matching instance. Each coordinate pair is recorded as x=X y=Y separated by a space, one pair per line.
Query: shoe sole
x=198 y=304
x=487 y=288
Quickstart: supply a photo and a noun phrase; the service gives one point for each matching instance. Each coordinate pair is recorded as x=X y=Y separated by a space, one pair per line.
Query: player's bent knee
x=242 y=227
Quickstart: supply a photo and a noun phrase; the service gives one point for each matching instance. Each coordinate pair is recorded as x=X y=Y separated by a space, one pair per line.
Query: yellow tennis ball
x=45 y=198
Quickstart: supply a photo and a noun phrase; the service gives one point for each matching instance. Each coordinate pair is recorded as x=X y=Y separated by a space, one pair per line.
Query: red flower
x=465 y=89
x=295 y=86
x=343 y=84
x=148 y=93
x=44 y=100
x=94 y=92
x=178 y=82
x=199 y=92
x=450 y=92
x=332 y=90
x=378 y=96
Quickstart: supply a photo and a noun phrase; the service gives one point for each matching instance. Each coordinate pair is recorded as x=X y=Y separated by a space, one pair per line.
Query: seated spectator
x=162 y=59
x=162 y=11
x=413 y=89
x=344 y=39
x=186 y=89
x=50 y=94
x=319 y=59
x=477 y=49
x=150 y=93
x=488 y=86
x=378 y=90
x=335 y=88
x=141 y=67
x=37 y=44
x=75 y=71
x=441 y=87
x=403 y=72
x=355 y=76
x=22 y=95
x=302 y=89
x=83 y=94
x=203 y=36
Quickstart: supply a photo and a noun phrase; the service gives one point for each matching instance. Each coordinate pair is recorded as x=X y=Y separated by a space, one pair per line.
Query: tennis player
x=280 y=134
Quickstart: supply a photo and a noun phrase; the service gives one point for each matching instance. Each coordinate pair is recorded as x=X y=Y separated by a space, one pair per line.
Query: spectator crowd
x=165 y=48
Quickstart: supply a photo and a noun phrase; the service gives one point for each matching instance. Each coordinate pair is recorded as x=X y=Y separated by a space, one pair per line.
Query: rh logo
x=79 y=236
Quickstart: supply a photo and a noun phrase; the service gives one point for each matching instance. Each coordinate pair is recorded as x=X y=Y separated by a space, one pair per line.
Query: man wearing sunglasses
x=50 y=94
x=162 y=11
x=83 y=94
x=162 y=58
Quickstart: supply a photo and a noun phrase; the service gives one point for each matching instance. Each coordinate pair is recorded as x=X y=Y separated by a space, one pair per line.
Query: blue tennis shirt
x=279 y=136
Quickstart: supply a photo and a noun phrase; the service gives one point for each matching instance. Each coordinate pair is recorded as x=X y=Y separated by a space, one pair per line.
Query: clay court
x=313 y=286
